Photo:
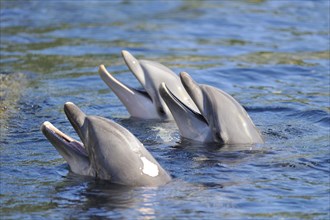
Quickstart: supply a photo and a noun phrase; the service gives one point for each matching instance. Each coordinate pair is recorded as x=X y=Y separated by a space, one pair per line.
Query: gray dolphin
x=221 y=119
x=146 y=104
x=108 y=151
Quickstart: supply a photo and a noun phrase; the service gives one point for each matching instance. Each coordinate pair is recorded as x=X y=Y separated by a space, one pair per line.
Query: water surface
x=272 y=56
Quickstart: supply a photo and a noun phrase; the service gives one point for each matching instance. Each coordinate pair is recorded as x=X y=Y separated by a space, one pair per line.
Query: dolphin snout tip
x=125 y=54
x=70 y=107
x=129 y=59
x=43 y=125
x=102 y=70
x=46 y=125
x=185 y=76
x=187 y=81
x=101 y=67
x=69 y=103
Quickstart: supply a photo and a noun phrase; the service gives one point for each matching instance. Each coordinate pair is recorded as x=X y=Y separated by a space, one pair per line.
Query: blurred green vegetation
x=10 y=92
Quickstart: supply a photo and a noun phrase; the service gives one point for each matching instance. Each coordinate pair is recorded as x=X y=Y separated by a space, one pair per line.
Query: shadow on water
x=87 y=198
x=91 y=192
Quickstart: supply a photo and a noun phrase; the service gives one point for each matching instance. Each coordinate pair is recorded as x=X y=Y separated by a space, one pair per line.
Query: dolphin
x=221 y=119
x=107 y=151
x=146 y=104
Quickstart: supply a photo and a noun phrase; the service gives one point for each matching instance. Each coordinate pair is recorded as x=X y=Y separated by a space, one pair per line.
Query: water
x=272 y=56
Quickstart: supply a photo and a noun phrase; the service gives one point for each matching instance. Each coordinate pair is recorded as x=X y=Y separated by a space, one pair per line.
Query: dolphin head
x=108 y=151
x=226 y=119
x=147 y=104
x=192 y=125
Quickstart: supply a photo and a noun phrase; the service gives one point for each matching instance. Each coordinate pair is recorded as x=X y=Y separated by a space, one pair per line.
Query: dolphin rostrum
x=108 y=151
x=221 y=119
x=147 y=104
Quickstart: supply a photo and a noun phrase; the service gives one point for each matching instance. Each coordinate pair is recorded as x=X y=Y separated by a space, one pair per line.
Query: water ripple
x=272 y=56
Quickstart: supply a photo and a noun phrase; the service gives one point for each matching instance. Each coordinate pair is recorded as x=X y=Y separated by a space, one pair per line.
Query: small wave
x=268 y=109
x=315 y=115
x=325 y=121
x=317 y=165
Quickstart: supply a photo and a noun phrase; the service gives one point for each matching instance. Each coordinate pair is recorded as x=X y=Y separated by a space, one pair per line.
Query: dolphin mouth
x=61 y=140
x=171 y=99
x=109 y=79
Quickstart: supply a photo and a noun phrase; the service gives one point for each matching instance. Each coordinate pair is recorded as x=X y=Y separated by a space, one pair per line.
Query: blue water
x=272 y=56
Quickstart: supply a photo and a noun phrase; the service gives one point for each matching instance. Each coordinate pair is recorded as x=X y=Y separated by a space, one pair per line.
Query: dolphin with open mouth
x=220 y=119
x=108 y=151
x=147 y=104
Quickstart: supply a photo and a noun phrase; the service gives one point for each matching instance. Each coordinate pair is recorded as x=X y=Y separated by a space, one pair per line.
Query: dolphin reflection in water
x=220 y=119
x=108 y=151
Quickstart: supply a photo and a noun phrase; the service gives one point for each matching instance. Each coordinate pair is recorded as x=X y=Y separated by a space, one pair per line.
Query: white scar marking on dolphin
x=149 y=168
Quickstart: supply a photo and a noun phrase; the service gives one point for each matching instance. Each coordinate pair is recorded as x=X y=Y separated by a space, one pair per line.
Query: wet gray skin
x=147 y=104
x=221 y=119
x=108 y=151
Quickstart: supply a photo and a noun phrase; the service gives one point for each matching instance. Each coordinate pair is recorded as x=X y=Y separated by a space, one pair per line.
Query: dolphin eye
x=219 y=138
x=161 y=111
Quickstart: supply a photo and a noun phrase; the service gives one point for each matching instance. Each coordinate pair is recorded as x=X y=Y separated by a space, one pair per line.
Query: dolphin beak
x=189 y=122
x=176 y=106
x=76 y=118
x=136 y=102
x=135 y=66
x=72 y=150
x=173 y=102
x=193 y=90
x=112 y=82
x=64 y=144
